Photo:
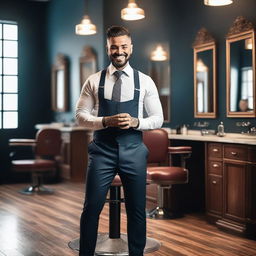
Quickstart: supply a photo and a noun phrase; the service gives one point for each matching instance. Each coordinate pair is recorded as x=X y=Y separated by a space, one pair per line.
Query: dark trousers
x=129 y=161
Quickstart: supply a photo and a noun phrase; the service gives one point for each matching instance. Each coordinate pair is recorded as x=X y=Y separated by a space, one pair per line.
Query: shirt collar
x=128 y=69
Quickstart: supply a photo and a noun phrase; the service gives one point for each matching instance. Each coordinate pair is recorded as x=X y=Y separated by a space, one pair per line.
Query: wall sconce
x=132 y=12
x=85 y=27
x=248 y=44
x=217 y=2
x=159 y=54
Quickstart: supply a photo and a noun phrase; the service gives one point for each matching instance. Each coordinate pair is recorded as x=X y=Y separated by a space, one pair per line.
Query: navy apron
x=114 y=150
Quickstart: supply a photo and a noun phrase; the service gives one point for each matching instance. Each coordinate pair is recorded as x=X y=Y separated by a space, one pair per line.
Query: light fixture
x=217 y=2
x=132 y=12
x=248 y=44
x=200 y=66
x=85 y=27
x=159 y=54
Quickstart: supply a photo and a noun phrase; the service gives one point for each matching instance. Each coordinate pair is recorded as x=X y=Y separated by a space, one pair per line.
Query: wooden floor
x=43 y=225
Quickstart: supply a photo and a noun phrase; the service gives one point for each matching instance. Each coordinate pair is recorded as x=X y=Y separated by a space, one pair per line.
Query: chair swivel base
x=36 y=189
x=115 y=246
x=161 y=213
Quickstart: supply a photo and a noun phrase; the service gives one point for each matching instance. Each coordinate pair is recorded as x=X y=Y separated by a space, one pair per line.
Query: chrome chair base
x=160 y=213
x=31 y=190
x=115 y=246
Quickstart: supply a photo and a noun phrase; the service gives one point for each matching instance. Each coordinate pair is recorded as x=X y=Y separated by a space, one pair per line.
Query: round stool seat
x=33 y=164
x=167 y=175
x=116 y=181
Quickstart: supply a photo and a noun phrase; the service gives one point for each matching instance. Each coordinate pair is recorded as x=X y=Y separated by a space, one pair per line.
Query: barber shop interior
x=127 y=127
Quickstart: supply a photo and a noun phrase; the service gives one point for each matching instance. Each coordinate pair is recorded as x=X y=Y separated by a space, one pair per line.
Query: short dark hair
x=115 y=31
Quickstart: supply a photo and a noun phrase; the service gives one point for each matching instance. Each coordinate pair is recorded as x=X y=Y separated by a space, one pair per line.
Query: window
x=247 y=86
x=8 y=75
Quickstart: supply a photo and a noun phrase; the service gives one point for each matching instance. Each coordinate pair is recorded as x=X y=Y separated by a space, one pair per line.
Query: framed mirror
x=240 y=69
x=87 y=63
x=60 y=84
x=204 y=75
x=159 y=71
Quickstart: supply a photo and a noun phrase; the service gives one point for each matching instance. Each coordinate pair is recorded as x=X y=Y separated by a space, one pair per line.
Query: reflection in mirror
x=240 y=59
x=204 y=75
x=88 y=64
x=159 y=71
x=60 y=84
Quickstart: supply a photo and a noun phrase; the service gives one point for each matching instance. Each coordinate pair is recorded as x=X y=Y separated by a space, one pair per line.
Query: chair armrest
x=180 y=150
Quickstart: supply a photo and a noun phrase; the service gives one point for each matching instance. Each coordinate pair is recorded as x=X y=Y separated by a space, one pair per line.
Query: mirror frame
x=87 y=64
x=203 y=42
x=240 y=30
x=61 y=64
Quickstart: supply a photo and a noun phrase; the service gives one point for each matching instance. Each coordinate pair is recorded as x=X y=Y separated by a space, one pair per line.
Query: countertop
x=195 y=135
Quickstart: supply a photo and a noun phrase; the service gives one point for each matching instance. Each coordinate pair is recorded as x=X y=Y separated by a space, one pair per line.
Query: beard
x=119 y=60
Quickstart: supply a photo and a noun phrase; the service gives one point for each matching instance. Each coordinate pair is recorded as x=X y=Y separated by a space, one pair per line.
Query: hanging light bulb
x=86 y=27
x=159 y=54
x=217 y=2
x=132 y=12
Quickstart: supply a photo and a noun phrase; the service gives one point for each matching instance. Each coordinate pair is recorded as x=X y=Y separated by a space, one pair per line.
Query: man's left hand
x=128 y=121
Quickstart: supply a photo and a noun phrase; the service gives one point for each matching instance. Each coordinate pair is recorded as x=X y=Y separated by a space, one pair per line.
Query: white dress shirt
x=88 y=103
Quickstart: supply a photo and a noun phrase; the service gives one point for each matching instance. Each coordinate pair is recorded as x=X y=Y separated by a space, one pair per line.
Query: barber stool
x=157 y=142
x=115 y=243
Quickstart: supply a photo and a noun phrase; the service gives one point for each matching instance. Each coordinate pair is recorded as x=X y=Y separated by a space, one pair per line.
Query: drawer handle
x=214 y=182
x=215 y=165
x=234 y=153
x=215 y=150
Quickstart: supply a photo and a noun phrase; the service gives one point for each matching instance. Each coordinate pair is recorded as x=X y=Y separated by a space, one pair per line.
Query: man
x=111 y=103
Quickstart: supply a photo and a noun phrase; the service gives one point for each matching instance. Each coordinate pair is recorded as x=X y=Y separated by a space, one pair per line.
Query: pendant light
x=132 y=12
x=217 y=2
x=159 y=54
x=86 y=27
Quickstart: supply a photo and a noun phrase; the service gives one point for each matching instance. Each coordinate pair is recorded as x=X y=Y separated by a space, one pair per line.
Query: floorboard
x=42 y=225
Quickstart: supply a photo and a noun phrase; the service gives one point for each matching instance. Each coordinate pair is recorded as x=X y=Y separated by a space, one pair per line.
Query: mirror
x=60 y=84
x=240 y=60
x=87 y=63
x=204 y=75
x=159 y=71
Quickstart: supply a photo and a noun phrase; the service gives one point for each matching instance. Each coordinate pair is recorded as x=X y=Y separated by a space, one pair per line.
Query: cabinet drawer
x=215 y=150
x=215 y=167
x=236 y=152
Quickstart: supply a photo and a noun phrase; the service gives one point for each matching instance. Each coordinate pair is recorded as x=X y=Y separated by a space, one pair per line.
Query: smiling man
x=112 y=103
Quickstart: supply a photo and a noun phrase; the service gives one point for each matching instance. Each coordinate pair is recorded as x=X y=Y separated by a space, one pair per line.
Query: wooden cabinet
x=231 y=187
x=74 y=154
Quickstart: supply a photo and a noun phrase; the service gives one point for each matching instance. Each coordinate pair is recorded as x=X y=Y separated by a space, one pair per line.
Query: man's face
x=119 y=50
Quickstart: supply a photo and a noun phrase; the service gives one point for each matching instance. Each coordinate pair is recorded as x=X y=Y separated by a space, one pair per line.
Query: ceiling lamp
x=217 y=2
x=86 y=27
x=248 y=44
x=132 y=12
x=159 y=54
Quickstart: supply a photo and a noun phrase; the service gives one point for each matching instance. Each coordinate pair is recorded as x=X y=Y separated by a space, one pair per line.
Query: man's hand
x=123 y=121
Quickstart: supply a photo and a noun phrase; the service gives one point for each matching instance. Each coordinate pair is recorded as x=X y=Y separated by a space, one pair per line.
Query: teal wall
x=63 y=16
x=34 y=79
x=47 y=28
x=177 y=23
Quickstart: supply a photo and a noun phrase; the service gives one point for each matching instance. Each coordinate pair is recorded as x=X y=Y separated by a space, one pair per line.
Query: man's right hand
x=118 y=120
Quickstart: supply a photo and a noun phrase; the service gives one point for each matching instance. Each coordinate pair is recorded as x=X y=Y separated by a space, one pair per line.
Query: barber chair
x=164 y=177
x=115 y=243
x=47 y=146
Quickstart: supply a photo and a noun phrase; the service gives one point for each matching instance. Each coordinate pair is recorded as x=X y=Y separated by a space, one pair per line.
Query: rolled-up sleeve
x=153 y=108
x=86 y=108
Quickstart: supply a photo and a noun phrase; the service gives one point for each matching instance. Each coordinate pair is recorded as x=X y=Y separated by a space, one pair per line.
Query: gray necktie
x=116 y=94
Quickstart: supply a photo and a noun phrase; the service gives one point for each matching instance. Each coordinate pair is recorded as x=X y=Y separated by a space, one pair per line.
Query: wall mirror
x=240 y=61
x=159 y=71
x=87 y=63
x=60 y=84
x=204 y=75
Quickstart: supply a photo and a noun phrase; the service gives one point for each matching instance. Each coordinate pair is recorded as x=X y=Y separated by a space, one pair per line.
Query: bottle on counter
x=184 y=129
x=221 y=132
